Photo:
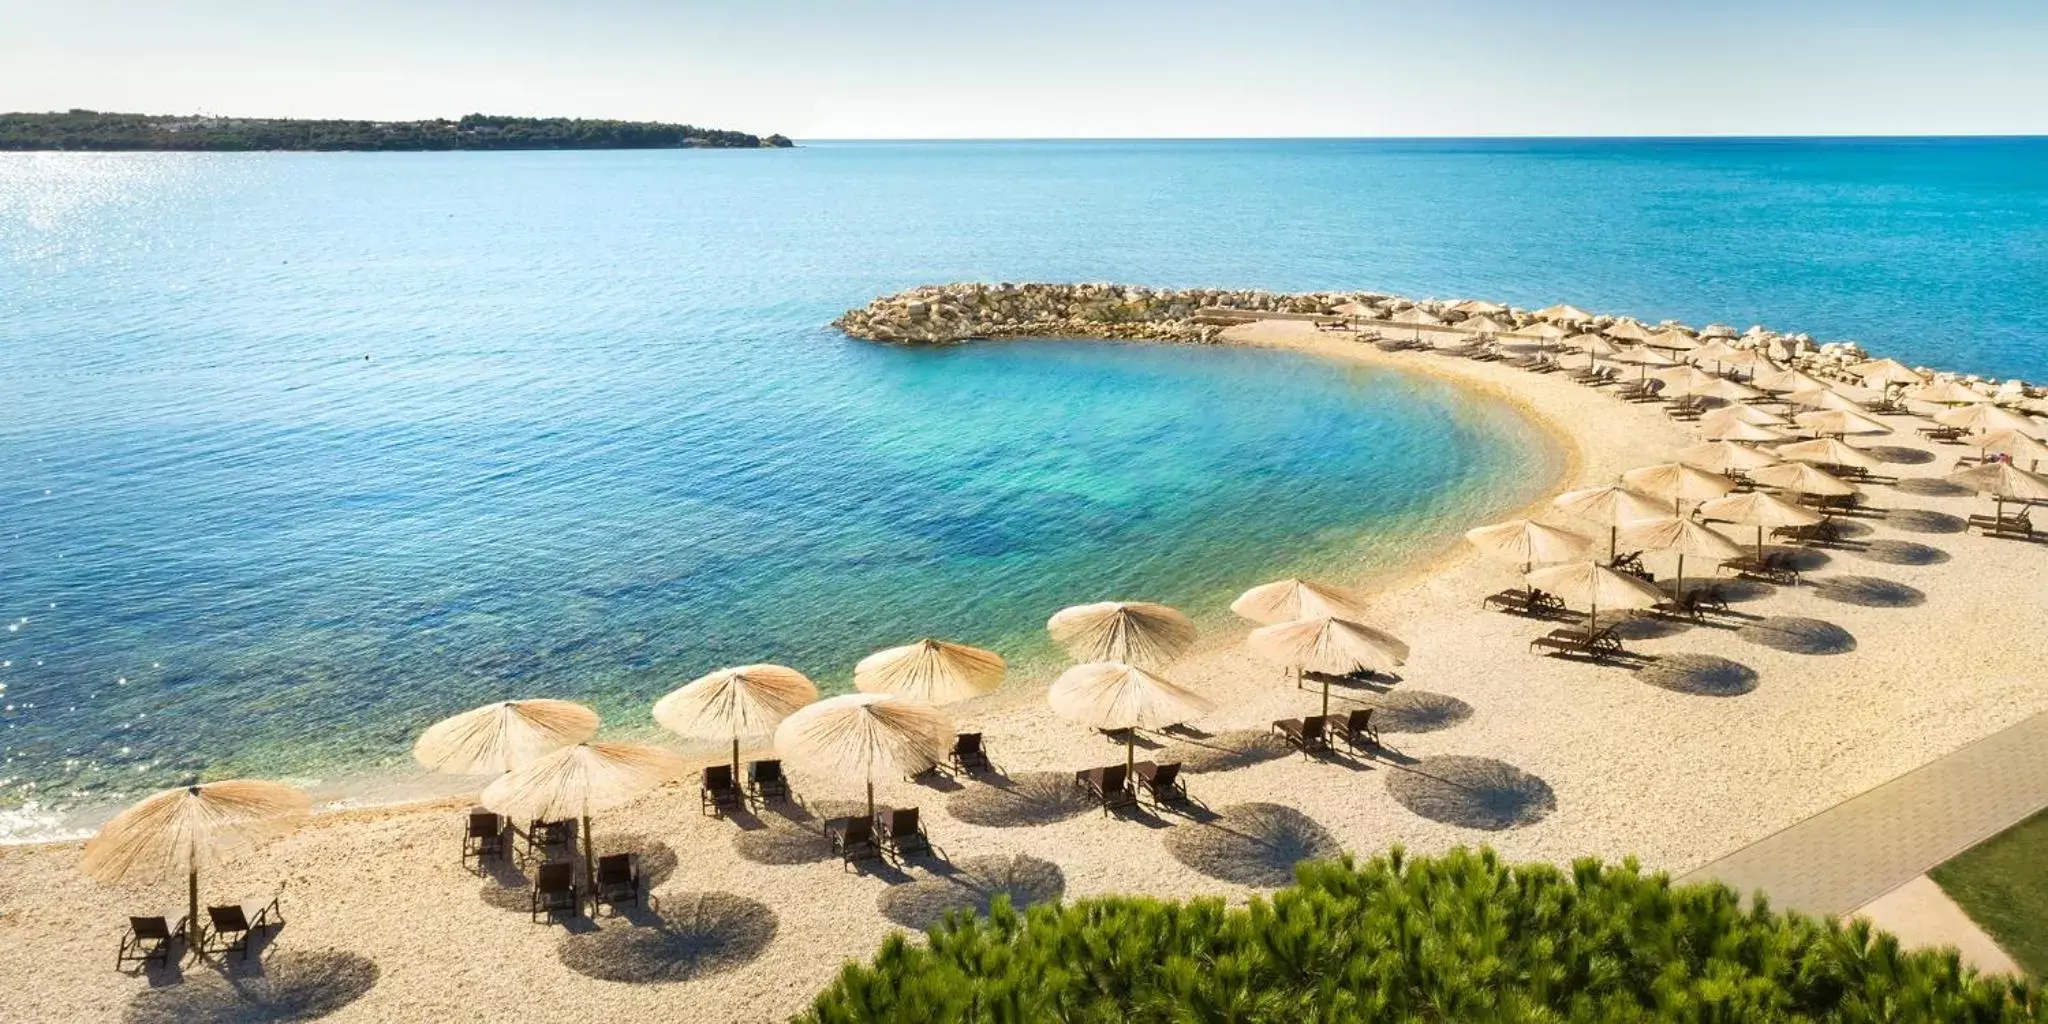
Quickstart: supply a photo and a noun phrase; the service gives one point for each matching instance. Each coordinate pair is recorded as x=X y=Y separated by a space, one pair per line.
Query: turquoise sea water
x=299 y=452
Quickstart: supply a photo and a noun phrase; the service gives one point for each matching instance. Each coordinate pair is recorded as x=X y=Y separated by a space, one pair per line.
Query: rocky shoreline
x=952 y=313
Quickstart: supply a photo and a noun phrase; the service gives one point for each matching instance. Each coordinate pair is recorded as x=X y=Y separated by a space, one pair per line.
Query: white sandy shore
x=1675 y=779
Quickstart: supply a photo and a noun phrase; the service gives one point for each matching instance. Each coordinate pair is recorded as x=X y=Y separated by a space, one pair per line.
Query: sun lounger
x=229 y=928
x=1773 y=567
x=2019 y=526
x=1358 y=732
x=1161 y=782
x=853 y=839
x=968 y=754
x=554 y=888
x=902 y=834
x=1523 y=601
x=1574 y=642
x=1109 y=786
x=1309 y=735
x=1827 y=531
x=1943 y=434
x=718 y=793
x=766 y=783
x=148 y=940
x=485 y=836
x=1632 y=564
x=619 y=881
x=544 y=836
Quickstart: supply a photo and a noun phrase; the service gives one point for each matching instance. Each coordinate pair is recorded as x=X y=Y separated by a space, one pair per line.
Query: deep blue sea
x=300 y=452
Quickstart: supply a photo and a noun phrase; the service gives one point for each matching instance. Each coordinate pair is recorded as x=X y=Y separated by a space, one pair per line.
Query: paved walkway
x=1860 y=849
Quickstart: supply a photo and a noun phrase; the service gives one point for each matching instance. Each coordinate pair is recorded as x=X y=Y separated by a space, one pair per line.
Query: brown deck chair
x=148 y=940
x=1309 y=735
x=766 y=781
x=554 y=888
x=1358 y=731
x=902 y=833
x=969 y=754
x=485 y=836
x=229 y=928
x=853 y=839
x=543 y=836
x=1110 y=786
x=719 y=793
x=619 y=881
x=1162 y=783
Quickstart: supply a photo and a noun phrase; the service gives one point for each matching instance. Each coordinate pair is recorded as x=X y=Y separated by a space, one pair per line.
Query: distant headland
x=91 y=130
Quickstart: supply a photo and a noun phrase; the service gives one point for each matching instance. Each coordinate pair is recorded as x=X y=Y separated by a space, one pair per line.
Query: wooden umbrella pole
x=192 y=909
x=1130 y=753
x=1326 y=696
x=735 y=758
x=589 y=859
x=871 y=798
x=1678 y=588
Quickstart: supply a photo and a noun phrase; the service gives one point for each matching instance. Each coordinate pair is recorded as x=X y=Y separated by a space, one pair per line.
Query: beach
x=384 y=923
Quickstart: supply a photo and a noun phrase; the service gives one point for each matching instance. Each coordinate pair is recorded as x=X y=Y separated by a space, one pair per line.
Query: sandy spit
x=385 y=925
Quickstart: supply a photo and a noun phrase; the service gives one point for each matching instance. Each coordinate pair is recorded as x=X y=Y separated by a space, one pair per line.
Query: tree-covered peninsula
x=93 y=130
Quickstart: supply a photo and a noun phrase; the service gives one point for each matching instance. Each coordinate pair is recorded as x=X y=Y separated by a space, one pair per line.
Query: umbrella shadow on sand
x=1227 y=751
x=796 y=836
x=1920 y=520
x=284 y=986
x=1252 y=844
x=1903 y=552
x=1701 y=675
x=973 y=887
x=1930 y=487
x=1796 y=635
x=1899 y=455
x=694 y=936
x=1026 y=800
x=1472 y=792
x=1868 y=592
x=1413 y=711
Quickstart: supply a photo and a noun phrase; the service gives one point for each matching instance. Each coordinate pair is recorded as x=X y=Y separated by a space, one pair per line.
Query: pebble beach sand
x=1806 y=696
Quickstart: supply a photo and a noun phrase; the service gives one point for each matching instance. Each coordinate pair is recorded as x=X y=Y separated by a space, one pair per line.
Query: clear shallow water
x=603 y=441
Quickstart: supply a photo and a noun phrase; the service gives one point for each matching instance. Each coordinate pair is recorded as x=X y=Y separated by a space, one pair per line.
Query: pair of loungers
x=1525 y=601
x=228 y=931
x=719 y=792
x=556 y=888
x=1312 y=735
x=1576 y=642
x=1116 y=786
x=894 y=833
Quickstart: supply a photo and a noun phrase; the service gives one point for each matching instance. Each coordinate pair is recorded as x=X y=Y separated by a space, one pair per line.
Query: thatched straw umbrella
x=574 y=782
x=1528 y=542
x=1827 y=451
x=1740 y=431
x=1759 y=509
x=1137 y=633
x=497 y=738
x=1116 y=697
x=1726 y=456
x=1330 y=647
x=1824 y=398
x=1677 y=482
x=1483 y=324
x=1739 y=413
x=1883 y=373
x=1290 y=599
x=1681 y=537
x=735 y=703
x=1645 y=357
x=1479 y=307
x=1594 y=586
x=932 y=671
x=2013 y=444
x=1594 y=346
x=1945 y=392
x=1628 y=330
x=1675 y=341
x=1986 y=417
x=1784 y=381
x=1802 y=478
x=182 y=831
x=866 y=734
x=1610 y=505
x=1546 y=331
x=1563 y=311
x=1839 y=422
x=2004 y=482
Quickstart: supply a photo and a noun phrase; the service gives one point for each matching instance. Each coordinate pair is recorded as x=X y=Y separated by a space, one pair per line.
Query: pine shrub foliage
x=1461 y=937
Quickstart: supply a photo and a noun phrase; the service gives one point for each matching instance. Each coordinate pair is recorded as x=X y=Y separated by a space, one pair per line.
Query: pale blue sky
x=1061 y=68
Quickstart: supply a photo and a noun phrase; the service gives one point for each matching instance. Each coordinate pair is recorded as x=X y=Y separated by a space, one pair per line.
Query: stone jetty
x=948 y=314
